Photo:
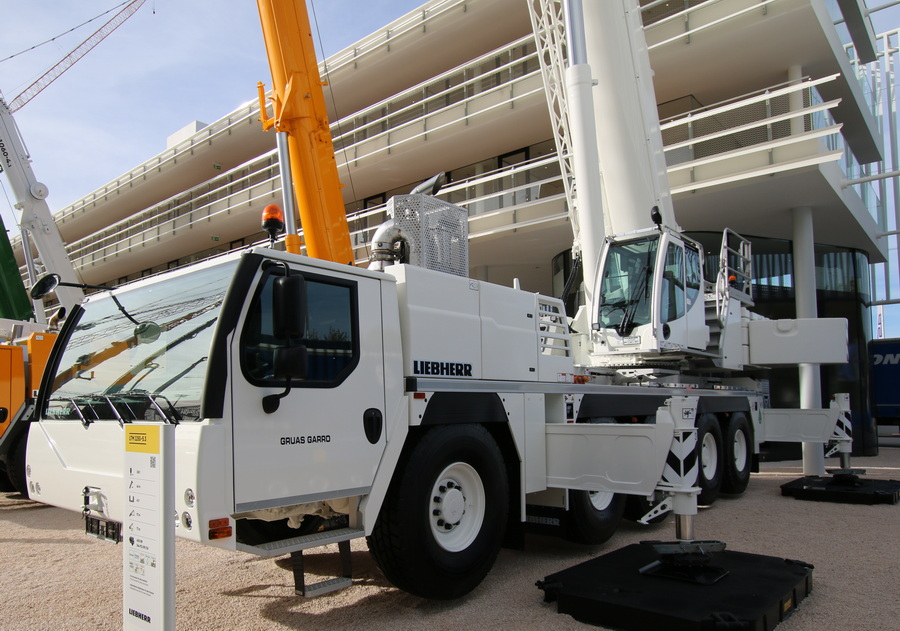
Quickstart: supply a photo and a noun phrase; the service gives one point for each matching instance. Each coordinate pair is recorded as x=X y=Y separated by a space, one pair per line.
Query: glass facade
x=842 y=284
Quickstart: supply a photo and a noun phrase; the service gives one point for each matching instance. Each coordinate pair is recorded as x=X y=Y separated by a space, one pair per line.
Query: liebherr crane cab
x=660 y=264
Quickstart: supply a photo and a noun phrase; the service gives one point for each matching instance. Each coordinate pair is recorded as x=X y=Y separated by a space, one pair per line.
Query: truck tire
x=15 y=466
x=593 y=517
x=738 y=457
x=444 y=516
x=709 y=453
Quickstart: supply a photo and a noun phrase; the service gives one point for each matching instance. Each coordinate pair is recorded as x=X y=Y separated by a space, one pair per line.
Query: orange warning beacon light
x=273 y=222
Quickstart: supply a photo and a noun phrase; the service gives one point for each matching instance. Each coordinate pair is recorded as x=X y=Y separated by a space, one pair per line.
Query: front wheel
x=709 y=450
x=443 y=520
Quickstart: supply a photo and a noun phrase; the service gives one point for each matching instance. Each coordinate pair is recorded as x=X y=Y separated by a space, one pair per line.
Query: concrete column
x=805 y=299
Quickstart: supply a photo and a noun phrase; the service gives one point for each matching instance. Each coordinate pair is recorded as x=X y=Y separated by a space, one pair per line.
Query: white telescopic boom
x=629 y=140
x=589 y=208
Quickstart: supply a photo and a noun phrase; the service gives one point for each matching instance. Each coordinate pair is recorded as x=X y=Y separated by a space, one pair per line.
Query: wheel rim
x=740 y=450
x=709 y=456
x=601 y=500
x=457 y=507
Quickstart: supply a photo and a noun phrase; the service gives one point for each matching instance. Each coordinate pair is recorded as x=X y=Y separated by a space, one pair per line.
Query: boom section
x=299 y=105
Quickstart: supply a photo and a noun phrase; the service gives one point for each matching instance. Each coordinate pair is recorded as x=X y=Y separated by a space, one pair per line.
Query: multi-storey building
x=765 y=118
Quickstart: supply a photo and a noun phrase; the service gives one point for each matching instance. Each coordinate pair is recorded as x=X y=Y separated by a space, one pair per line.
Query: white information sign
x=148 y=529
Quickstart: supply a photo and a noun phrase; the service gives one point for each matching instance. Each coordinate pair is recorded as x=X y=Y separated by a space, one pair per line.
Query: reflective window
x=140 y=353
x=672 y=304
x=329 y=334
x=692 y=275
x=626 y=285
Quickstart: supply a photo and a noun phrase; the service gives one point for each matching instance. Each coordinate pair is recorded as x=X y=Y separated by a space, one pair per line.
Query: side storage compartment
x=607 y=457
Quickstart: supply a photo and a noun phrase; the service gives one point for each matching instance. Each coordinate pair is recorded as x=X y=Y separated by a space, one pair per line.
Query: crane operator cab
x=649 y=295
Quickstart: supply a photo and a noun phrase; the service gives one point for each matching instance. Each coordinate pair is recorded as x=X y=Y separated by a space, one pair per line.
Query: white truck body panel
x=791 y=342
x=438 y=323
x=606 y=457
x=62 y=459
x=267 y=446
x=799 y=426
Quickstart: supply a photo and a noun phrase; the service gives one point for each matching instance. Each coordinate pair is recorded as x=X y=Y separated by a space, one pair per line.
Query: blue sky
x=172 y=62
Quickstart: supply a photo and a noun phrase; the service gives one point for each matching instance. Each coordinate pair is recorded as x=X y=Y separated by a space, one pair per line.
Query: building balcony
x=203 y=194
x=719 y=48
x=733 y=153
x=763 y=154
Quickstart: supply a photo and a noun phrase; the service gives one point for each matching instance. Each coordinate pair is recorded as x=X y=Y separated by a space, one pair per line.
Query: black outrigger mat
x=844 y=489
x=756 y=593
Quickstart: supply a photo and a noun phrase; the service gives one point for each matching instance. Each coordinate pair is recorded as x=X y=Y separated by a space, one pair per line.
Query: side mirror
x=288 y=322
x=289 y=307
x=4 y=414
x=44 y=286
x=291 y=362
x=147 y=332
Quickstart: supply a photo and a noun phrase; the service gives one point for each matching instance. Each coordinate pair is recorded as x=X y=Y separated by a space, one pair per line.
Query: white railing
x=763 y=121
x=384 y=126
x=487 y=196
x=684 y=17
x=170 y=156
x=377 y=41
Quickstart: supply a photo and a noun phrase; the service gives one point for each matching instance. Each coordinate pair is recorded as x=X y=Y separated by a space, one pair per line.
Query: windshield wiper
x=123 y=397
x=627 y=324
x=81 y=405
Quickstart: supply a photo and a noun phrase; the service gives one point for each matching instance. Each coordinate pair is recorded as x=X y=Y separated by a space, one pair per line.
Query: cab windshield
x=140 y=354
x=626 y=285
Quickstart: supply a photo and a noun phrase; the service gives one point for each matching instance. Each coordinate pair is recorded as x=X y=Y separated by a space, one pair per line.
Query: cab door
x=672 y=304
x=325 y=438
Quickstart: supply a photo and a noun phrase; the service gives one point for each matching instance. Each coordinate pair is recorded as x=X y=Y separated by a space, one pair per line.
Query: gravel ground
x=55 y=577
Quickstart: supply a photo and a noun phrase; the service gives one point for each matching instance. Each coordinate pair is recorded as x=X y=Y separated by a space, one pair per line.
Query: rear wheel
x=593 y=516
x=442 y=522
x=738 y=454
x=709 y=450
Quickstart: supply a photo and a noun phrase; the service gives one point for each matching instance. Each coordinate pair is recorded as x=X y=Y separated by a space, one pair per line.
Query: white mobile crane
x=316 y=402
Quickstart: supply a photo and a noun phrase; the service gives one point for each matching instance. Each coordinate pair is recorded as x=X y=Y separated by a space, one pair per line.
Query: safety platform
x=845 y=487
x=625 y=589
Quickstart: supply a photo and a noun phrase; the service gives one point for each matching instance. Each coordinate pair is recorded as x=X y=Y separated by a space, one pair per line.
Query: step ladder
x=328 y=585
x=295 y=547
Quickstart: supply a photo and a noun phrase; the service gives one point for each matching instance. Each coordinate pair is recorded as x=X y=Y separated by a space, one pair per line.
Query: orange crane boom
x=299 y=110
